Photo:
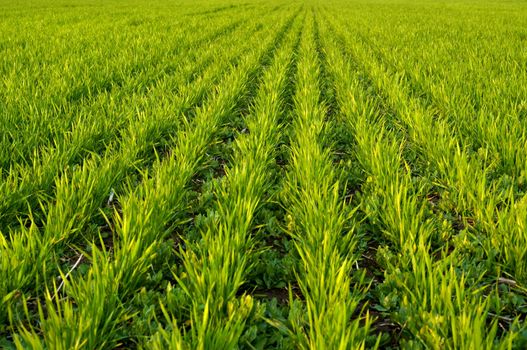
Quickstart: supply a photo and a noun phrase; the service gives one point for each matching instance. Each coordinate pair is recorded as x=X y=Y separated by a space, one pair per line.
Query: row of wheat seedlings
x=215 y=267
x=319 y=222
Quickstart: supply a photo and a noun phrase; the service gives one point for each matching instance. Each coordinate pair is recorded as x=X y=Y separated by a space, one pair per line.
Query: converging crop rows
x=263 y=175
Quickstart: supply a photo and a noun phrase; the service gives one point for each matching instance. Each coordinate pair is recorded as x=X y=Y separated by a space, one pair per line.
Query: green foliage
x=248 y=175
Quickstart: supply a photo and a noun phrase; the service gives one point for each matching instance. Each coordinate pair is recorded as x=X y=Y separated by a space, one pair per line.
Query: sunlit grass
x=247 y=175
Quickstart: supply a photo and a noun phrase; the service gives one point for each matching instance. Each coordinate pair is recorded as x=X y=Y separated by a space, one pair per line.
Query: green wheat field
x=248 y=174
